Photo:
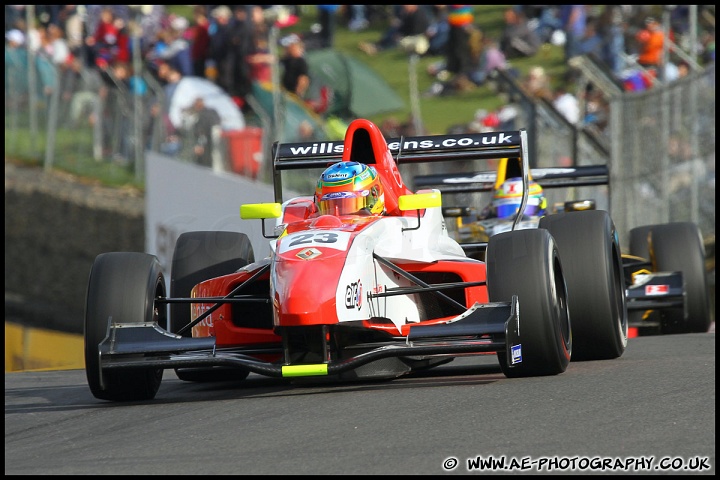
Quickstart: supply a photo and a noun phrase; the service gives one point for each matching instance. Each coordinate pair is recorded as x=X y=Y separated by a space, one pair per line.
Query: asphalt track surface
x=655 y=404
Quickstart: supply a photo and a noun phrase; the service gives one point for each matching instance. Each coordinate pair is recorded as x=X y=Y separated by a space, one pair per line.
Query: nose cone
x=305 y=289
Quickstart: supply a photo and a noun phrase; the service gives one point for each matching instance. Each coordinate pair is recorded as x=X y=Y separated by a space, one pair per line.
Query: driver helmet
x=507 y=199
x=348 y=188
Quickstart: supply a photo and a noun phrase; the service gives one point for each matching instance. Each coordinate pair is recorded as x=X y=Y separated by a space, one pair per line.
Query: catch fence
x=659 y=144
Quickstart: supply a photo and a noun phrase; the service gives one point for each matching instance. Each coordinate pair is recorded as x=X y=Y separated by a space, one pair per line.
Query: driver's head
x=508 y=197
x=348 y=188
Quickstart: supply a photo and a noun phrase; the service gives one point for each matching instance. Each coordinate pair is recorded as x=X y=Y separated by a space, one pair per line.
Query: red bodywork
x=347 y=297
x=363 y=133
x=304 y=292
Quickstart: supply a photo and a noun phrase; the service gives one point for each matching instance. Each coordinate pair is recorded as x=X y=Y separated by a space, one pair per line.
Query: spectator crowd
x=94 y=45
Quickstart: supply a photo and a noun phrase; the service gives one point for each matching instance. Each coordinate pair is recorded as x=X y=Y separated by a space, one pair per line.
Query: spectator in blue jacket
x=328 y=20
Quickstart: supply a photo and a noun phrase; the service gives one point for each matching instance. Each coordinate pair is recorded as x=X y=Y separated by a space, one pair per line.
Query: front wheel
x=199 y=256
x=122 y=289
x=526 y=263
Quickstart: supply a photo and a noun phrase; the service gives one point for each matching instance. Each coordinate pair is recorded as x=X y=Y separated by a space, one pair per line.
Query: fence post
x=52 y=120
x=32 y=80
x=136 y=92
x=414 y=95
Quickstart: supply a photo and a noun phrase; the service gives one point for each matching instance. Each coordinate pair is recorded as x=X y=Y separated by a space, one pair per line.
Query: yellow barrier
x=37 y=349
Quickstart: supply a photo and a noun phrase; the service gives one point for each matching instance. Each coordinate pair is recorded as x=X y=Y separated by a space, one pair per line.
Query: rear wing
x=420 y=149
x=551 y=177
x=429 y=148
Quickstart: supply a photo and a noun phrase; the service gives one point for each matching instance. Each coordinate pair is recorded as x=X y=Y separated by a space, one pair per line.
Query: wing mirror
x=261 y=211
x=418 y=202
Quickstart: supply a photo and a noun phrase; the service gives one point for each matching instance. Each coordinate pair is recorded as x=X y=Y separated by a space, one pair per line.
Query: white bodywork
x=398 y=240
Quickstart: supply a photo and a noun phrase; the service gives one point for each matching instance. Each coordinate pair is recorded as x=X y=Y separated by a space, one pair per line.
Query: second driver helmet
x=507 y=199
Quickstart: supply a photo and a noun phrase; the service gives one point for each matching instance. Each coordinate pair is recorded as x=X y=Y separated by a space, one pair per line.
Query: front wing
x=486 y=328
x=655 y=291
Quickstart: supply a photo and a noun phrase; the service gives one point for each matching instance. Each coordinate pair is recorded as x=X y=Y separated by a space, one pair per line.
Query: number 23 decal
x=308 y=238
x=327 y=239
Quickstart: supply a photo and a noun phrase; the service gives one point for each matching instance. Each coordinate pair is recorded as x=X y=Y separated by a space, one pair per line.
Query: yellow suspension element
x=304 y=370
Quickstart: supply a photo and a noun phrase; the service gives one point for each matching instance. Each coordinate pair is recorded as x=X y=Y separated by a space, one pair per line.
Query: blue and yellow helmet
x=348 y=188
x=508 y=197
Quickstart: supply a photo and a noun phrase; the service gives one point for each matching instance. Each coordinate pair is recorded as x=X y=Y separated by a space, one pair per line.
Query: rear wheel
x=122 y=289
x=199 y=256
x=679 y=247
x=526 y=263
x=592 y=265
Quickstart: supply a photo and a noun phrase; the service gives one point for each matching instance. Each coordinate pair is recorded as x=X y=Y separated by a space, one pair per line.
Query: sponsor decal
x=657 y=289
x=500 y=138
x=481 y=177
x=308 y=253
x=337 y=240
x=201 y=308
x=316 y=149
x=206 y=322
x=513 y=187
x=332 y=195
x=516 y=354
x=554 y=171
x=353 y=295
x=330 y=176
x=414 y=144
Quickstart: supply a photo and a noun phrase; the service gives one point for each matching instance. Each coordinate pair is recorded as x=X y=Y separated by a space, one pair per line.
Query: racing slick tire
x=679 y=247
x=122 y=288
x=197 y=257
x=592 y=265
x=526 y=263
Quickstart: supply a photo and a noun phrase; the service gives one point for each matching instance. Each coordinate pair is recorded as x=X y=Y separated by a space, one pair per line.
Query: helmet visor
x=346 y=203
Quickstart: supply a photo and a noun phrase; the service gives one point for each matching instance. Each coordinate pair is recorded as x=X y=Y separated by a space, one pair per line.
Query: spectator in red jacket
x=200 y=38
x=104 y=39
x=122 y=50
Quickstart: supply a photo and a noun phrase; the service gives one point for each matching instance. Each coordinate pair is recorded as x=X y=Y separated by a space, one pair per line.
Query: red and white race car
x=352 y=295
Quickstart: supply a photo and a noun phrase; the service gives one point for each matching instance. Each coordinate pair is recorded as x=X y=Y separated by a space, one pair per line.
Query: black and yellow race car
x=664 y=268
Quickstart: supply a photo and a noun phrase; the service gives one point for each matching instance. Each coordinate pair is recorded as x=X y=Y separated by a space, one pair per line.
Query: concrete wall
x=55 y=226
